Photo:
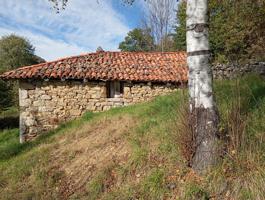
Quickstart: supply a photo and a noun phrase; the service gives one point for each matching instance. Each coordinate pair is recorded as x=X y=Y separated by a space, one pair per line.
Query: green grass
x=155 y=168
x=194 y=191
x=10 y=112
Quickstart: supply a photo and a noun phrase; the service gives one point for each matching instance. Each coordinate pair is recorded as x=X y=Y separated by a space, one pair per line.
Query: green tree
x=180 y=28
x=15 y=52
x=5 y=95
x=138 y=40
x=236 y=29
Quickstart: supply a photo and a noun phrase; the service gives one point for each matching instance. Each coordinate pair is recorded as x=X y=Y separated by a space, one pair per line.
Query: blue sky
x=81 y=28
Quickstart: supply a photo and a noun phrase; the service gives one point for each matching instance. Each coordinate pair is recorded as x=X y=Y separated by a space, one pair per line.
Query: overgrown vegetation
x=135 y=152
x=15 y=51
x=236 y=29
x=236 y=32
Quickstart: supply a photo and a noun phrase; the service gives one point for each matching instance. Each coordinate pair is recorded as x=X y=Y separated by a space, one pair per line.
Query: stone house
x=54 y=92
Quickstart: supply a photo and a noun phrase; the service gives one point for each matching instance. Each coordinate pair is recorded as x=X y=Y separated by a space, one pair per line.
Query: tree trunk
x=203 y=112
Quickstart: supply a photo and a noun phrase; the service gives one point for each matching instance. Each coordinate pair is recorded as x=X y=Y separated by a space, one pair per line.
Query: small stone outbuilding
x=54 y=92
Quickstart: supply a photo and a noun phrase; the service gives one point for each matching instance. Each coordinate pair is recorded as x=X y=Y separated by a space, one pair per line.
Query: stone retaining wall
x=46 y=104
x=229 y=71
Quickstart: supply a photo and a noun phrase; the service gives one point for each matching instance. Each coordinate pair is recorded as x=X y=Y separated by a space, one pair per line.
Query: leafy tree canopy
x=15 y=52
x=237 y=29
x=138 y=40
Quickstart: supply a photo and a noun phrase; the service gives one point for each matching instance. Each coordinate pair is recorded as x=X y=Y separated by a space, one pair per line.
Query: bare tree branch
x=159 y=19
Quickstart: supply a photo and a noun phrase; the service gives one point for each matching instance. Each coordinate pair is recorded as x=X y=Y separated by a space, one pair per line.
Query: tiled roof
x=130 y=66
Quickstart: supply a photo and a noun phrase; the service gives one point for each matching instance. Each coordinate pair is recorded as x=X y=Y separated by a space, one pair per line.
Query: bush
x=5 y=95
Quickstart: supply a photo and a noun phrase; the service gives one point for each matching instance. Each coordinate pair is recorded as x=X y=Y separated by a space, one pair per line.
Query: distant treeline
x=237 y=31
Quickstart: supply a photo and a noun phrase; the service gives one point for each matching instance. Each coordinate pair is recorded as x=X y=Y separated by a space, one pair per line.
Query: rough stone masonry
x=46 y=104
x=54 y=92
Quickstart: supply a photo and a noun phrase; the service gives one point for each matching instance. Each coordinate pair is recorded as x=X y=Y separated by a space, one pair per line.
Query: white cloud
x=47 y=48
x=82 y=27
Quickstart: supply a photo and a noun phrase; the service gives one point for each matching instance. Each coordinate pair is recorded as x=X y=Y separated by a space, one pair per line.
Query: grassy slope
x=133 y=152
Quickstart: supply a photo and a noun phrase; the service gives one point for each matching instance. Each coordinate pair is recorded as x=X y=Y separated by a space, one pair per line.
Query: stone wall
x=229 y=71
x=46 y=104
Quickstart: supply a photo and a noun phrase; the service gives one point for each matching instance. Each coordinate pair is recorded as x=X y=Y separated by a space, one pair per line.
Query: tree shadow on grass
x=9 y=122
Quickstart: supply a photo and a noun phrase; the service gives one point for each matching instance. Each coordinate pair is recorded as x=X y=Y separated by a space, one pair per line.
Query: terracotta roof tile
x=130 y=66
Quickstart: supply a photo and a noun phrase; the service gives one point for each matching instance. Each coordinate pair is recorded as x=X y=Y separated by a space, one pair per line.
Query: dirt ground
x=92 y=147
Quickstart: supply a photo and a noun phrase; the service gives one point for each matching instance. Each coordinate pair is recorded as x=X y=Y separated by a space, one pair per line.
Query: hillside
x=138 y=152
